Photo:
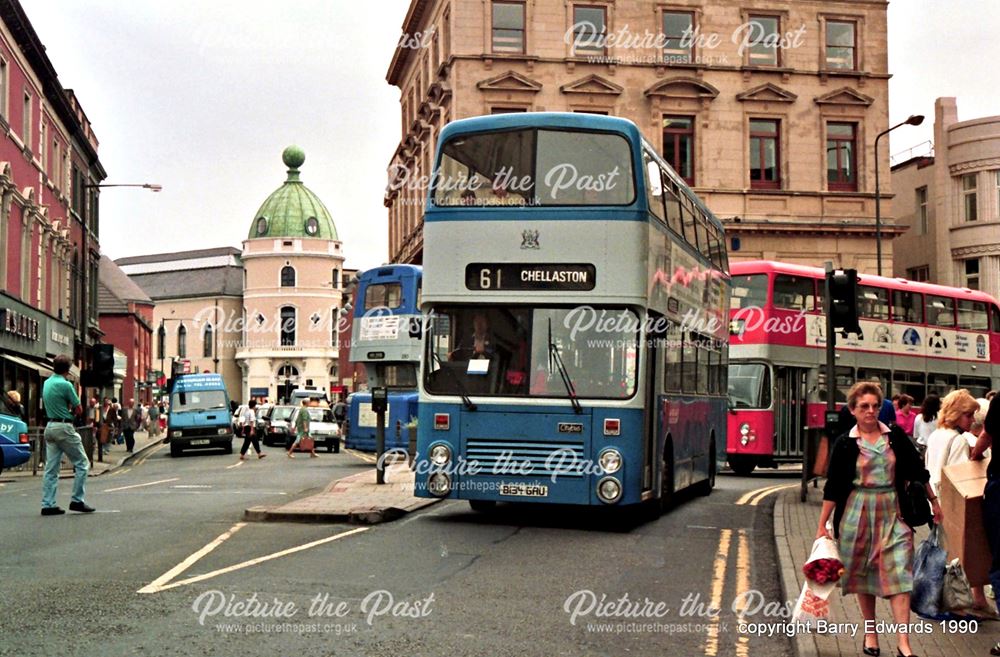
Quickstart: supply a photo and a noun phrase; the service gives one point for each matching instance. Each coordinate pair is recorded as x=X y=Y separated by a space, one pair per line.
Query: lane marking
x=235 y=465
x=718 y=584
x=253 y=562
x=361 y=455
x=158 y=584
x=191 y=486
x=746 y=497
x=150 y=453
x=149 y=483
x=701 y=527
x=757 y=500
x=119 y=472
x=742 y=586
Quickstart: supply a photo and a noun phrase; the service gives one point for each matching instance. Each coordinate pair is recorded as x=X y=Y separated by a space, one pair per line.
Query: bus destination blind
x=530 y=276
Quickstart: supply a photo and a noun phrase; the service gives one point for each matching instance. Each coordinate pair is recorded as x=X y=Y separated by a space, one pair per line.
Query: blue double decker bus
x=575 y=299
x=386 y=339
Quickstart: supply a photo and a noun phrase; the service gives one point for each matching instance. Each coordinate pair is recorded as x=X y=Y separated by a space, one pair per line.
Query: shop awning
x=41 y=368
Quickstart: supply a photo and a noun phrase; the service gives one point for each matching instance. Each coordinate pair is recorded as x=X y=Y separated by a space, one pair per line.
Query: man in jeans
x=61 y=404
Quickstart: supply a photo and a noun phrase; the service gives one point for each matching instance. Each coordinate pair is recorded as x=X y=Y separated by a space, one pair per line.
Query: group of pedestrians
x=246 y=427
x=887 y=448
x=114 y=423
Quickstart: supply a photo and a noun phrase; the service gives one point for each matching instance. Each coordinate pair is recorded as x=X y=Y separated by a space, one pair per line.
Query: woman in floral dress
x=869 y=468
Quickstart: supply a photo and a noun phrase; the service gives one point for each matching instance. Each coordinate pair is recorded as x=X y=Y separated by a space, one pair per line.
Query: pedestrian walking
x=247 y=425
x=926 y=421
x=905 y=416
x=129 y=423
x=869 y=467
x=115 y=417
x=302 y=431
x=154 y=420
x=61 y=404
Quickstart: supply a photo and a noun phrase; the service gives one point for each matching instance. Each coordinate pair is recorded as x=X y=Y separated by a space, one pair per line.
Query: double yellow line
x=754 y=497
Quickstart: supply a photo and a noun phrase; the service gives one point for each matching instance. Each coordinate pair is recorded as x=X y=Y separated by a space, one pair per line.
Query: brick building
x=126 y=317
x=769 y=109
x=49 y=248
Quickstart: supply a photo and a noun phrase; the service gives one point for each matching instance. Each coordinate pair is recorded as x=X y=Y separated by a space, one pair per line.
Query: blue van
x=199 y=414
x=14 y=446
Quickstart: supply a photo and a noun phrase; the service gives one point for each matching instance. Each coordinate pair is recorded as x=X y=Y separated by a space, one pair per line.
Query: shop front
x=23 y=343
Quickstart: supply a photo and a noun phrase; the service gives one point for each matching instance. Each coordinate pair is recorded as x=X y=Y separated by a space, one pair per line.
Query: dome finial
x=293 y=157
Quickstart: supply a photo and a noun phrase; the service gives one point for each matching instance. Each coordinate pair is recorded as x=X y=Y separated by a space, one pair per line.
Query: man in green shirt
x=61 y=404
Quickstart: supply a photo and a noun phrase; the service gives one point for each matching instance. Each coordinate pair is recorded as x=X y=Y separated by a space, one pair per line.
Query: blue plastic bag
x=929 y=563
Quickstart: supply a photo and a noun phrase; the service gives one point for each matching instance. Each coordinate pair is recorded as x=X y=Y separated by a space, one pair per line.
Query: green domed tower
x=293 y=210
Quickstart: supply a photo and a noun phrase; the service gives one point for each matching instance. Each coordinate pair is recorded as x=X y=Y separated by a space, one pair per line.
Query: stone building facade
x=951 y=202
x=769 y=109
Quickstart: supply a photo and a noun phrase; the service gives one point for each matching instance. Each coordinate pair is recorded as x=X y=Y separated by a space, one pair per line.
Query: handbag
x=928 y=577
x=914 y=505
x=956 y=595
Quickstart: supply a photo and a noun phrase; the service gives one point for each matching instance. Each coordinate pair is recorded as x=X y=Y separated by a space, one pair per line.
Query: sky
x=202 y=96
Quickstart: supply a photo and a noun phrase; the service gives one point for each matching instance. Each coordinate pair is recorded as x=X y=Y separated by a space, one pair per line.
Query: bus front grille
x=528 y=459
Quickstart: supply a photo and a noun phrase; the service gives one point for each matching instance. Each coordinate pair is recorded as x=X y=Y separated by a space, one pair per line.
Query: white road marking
x=192 y=486
x=235 y=465
x=150 y=483
x=161 y=586
x=158 y=584
x=701 y=527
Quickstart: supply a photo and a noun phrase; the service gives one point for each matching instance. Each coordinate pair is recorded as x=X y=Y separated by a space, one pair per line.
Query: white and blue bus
x=386 y=339
x=575 y=296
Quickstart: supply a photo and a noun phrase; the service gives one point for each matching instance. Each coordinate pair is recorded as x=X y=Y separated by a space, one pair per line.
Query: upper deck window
x=908 y=307
x=972 y=316
x=794 y=292
x=383 y=295
x=941 y=311
x=873 y=302
x=535 y=167
x=749 y=292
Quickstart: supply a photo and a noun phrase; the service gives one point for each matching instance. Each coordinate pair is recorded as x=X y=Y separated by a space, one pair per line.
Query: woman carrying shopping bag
x=870 y=466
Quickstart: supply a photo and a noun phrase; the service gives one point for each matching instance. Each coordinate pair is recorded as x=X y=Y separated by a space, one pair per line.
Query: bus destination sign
x=530 y=276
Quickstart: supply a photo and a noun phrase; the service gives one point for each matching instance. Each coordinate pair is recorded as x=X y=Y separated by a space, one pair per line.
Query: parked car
x=323 y=428
x=14 y=446
x=262 y=412
x=276 y=429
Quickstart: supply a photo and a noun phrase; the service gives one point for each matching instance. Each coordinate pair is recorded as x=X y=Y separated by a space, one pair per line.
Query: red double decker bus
x=916 y=339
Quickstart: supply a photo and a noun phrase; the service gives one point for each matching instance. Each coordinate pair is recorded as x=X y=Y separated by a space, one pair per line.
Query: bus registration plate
x=524 y=490
x=203 y=441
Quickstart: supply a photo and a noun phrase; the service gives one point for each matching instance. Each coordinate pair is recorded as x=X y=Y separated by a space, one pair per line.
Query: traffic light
x=843 y=286
x=102 y=371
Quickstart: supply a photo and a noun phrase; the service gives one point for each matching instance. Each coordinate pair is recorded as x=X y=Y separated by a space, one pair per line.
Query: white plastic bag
x=813 y=602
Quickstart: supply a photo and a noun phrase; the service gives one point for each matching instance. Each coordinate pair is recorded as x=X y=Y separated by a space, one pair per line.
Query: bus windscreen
x=535 y=168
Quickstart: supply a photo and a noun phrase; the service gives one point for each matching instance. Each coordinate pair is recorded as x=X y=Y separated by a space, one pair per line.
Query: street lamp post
x=914 y=119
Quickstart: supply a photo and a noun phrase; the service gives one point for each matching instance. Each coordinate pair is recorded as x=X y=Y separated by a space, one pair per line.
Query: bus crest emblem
x=529 y=239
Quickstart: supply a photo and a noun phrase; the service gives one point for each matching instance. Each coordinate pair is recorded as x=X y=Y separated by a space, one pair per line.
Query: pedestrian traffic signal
x=843 y=286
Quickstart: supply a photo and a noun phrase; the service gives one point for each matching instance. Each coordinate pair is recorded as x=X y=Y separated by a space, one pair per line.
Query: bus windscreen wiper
x=563 y=374
x=454 y=377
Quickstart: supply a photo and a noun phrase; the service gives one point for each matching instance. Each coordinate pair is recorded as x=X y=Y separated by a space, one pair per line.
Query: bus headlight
x=440 y=454
x=176 y=434
x=610 y=460
x=745 y=434
x=439 y=484
x=609 y=490
x=222 y=432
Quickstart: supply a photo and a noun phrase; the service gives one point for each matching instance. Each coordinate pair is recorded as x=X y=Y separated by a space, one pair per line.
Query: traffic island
x=356 y=499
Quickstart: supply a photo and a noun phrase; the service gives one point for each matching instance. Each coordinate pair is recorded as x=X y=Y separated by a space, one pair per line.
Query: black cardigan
x=843 y=469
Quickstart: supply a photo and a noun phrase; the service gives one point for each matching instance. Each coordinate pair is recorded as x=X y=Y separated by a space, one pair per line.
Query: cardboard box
x=962 y=505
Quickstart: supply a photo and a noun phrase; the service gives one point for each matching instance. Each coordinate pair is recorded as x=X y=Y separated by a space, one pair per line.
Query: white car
x=323 y=428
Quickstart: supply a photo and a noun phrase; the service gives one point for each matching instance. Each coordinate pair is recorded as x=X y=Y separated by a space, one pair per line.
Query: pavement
x=356 y=499
x=114 y=457
x=795 y=525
